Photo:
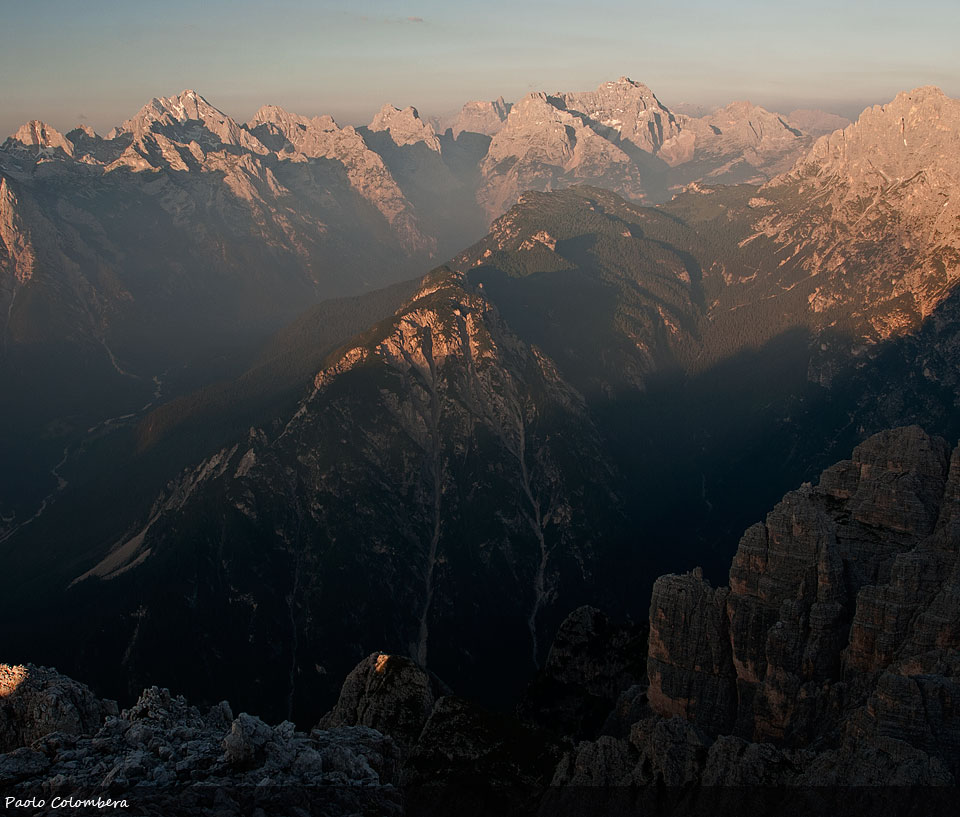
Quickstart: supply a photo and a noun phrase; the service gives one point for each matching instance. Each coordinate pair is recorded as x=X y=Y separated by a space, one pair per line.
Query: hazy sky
x=99 y=61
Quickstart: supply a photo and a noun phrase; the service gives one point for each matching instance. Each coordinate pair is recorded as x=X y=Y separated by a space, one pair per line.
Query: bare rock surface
x=831 y=658
x=876 y=198
x=620 y=136
x=405 y=127
x=301 y=139
x=630 y=110
x=389 y=693
x=829 y=664
x=41 y=139
x=838 y=584
x=543 y=145
x=738 y=143
x=689 y=661
x=170 y=755
x=35 y=701
x=481 y=117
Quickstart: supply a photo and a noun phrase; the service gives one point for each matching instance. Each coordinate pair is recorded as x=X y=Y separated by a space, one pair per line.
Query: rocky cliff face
x=40 y=140
x=275 y=224
x=456 y=757
x=35 y=701
x=390 y=693
x=839 y=619
x=128 y=257
x=628 y=109
x=543 y=145
x=184 y=118
x=165 y=755
x=475 y=396
x=18 y=257
x=481 y=117
x=875 y=198
x=213 y=179
x=775 y=680
x=315 y=208
x=284 y=210
x=438 y=176
x=735 y=144
x=623 y=138
x=298 y=137
x=405 y=127
x=594 y=667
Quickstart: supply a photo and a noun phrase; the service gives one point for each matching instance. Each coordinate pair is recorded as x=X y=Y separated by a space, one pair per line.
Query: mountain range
x=142 y=265
x=596 y=392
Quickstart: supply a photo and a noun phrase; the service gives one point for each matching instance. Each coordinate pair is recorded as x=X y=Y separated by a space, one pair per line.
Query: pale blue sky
x=98 y=61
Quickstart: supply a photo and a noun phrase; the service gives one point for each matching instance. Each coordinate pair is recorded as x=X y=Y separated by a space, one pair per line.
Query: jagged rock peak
x=624 y=83
x=390 y=115
x=920 y=94
x=918 y=130
x=748 y=124
x=182 y=107
x=544 y=144
x=275 y=115
x=844 y=578
x=86 y=130
x=628 y=108
x=162 y=113
x=622 y=88
x=389 y=693
x=320 y=136
x=279 y=129
x=739 y=106
x=898 y=163
x=41 y=136
x=405 y=127
x=536 y=103
x=836 y=646
x=482 y=117
x=285 y=120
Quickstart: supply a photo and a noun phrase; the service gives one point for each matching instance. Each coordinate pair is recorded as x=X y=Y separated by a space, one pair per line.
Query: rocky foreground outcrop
x=35 y=701
x=164 y=756
x=387 y=692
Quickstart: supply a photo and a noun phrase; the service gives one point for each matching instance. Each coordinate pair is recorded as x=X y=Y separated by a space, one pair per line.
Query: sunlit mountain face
x=285 y=402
